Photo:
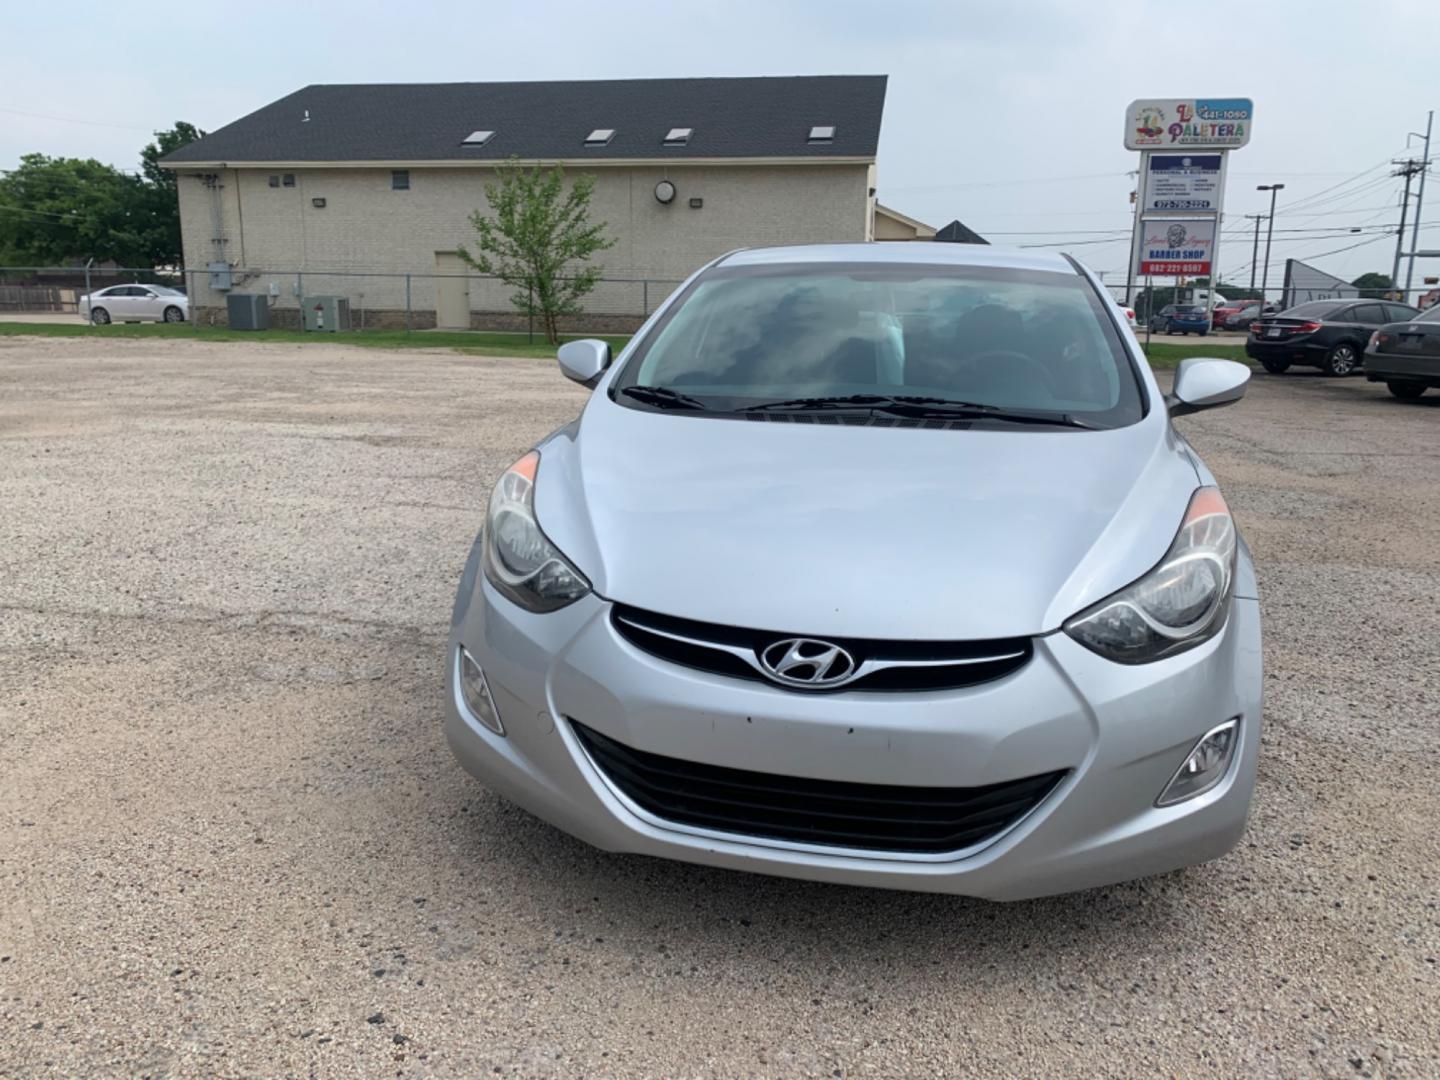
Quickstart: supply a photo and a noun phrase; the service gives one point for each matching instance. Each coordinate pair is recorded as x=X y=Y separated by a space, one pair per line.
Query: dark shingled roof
x=957 y=233
x=753 y=117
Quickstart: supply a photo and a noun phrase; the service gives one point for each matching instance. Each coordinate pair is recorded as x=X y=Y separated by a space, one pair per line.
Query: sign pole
x=1141 y=179
x=1215 y=244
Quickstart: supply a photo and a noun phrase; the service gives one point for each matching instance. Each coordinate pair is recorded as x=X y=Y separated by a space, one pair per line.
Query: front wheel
x=1406 y=391
x=1276 y=367
x=99 y=316
x=174 y=314
x=1341 y=360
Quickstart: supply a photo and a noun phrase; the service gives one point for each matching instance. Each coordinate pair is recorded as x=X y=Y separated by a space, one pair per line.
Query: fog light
x=1205 y=766
x=476 y=693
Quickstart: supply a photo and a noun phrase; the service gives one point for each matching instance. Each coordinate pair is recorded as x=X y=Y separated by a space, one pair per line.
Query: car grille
x=828 y=813
x=884 y=665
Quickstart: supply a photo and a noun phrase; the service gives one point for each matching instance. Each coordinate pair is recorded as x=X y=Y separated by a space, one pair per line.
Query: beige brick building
x=365 y=191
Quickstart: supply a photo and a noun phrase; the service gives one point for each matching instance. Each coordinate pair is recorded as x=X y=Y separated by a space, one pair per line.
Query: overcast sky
x=1006 y=115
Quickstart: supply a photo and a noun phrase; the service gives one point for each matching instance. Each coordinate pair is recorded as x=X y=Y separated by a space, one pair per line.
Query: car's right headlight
x=520 y=560
x=1177 y=605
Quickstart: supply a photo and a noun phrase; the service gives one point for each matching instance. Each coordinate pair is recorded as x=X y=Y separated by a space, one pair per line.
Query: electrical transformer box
x=326 y=313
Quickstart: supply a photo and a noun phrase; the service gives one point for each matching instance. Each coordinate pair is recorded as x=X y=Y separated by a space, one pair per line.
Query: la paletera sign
x=1188 y=123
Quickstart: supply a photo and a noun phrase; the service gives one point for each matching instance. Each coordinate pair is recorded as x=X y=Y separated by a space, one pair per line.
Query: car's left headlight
x=520 y=560
x=1180 y=603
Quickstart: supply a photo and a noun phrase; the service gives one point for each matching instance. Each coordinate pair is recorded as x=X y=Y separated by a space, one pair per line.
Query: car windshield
x=1041 y=342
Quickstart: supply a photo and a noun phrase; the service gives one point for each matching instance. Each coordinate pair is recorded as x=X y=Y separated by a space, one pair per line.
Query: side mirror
x=584 y=361
x=1203 y=383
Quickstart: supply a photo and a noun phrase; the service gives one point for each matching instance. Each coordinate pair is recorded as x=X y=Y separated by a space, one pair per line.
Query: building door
x=452 y=292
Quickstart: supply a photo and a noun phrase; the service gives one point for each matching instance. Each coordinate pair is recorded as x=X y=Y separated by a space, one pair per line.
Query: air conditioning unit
x=246 y=311
x=327 y=313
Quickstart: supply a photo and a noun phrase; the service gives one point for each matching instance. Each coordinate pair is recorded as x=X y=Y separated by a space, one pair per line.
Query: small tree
x=1374 y=285
x=537 y=239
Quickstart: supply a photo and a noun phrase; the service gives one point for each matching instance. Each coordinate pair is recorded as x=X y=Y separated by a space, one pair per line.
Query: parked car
x=1241 y=318
x=871 y=566
x=1328 y=334
x=135 y=303
x=1220 y=312
x=1405 y=356
x=1180 y=319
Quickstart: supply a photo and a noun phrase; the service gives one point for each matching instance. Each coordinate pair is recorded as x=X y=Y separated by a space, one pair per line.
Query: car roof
x=924 y=253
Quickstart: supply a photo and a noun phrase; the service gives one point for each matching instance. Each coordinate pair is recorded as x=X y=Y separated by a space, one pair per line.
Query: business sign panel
x=1188 y=124
x=1177 y=248
x=1184 y=182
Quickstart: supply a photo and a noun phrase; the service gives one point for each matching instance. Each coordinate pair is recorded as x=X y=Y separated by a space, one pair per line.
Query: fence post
x=407 y=303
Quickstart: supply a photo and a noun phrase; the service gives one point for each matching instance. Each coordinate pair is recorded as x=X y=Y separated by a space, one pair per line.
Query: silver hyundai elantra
x=877 y=564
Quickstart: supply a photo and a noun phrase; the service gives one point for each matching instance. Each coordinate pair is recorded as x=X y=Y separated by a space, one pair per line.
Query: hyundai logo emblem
x=807 y=662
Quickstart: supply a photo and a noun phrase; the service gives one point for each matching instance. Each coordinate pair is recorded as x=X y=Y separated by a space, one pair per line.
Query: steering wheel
x=1032 y=368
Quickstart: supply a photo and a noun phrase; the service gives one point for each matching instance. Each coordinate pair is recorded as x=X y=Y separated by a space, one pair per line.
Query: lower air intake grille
x=830 y=813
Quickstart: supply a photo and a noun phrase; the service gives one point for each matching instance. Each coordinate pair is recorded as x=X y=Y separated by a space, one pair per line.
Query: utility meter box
x=326 y=313
x=246 y=311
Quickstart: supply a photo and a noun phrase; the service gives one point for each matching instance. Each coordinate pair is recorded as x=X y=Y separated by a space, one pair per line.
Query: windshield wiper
x=662 y=397
x=922 y=408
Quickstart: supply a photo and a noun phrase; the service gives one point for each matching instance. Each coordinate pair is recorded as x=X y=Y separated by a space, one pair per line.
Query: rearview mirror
x=584 y=361
x=1205 y=383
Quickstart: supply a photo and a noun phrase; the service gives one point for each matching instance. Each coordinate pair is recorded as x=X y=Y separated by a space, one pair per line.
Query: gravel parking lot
x=233 y=843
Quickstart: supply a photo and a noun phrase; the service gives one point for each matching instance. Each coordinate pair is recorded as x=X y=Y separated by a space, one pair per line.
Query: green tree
x=162 y=200
x=56 y=211
x=1373 y=284
x=59 y=210
x=538 y=239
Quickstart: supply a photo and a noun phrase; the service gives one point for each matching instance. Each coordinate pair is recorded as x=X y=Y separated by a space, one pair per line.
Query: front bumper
x=1120 y=732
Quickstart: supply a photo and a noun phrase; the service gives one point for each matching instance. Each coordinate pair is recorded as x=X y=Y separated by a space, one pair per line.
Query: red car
x=1225 y=310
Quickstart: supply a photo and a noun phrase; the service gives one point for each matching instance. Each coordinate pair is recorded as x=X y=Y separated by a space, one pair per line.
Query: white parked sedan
x=135 y=303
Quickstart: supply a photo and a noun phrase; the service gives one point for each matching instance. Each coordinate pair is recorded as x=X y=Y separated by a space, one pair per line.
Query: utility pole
x=1269 y=232
x=1407 y=169
x=1255 y=252
x=1419 y=205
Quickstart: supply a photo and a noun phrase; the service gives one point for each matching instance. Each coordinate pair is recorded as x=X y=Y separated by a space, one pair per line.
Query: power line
x=1012 y=181
x=74 y=120
x=37 y=213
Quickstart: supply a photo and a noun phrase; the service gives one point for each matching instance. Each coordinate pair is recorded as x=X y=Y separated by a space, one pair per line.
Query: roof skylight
x=478 y=138
x=600 y=137
x=678 y=136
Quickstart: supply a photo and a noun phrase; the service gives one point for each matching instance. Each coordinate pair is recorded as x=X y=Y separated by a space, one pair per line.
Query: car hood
x=869 y=532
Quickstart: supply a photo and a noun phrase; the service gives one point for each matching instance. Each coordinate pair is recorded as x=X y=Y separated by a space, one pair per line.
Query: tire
x=1276 y=367
x=99 y=316
x=1405 y=391
x=1342 y=360
x=173 y=314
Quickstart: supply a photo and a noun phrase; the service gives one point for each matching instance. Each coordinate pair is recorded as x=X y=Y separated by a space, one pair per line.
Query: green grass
x=479 y=343
x=1168 y=356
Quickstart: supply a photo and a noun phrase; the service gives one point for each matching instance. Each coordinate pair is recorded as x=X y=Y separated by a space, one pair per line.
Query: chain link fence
x=359 y=300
